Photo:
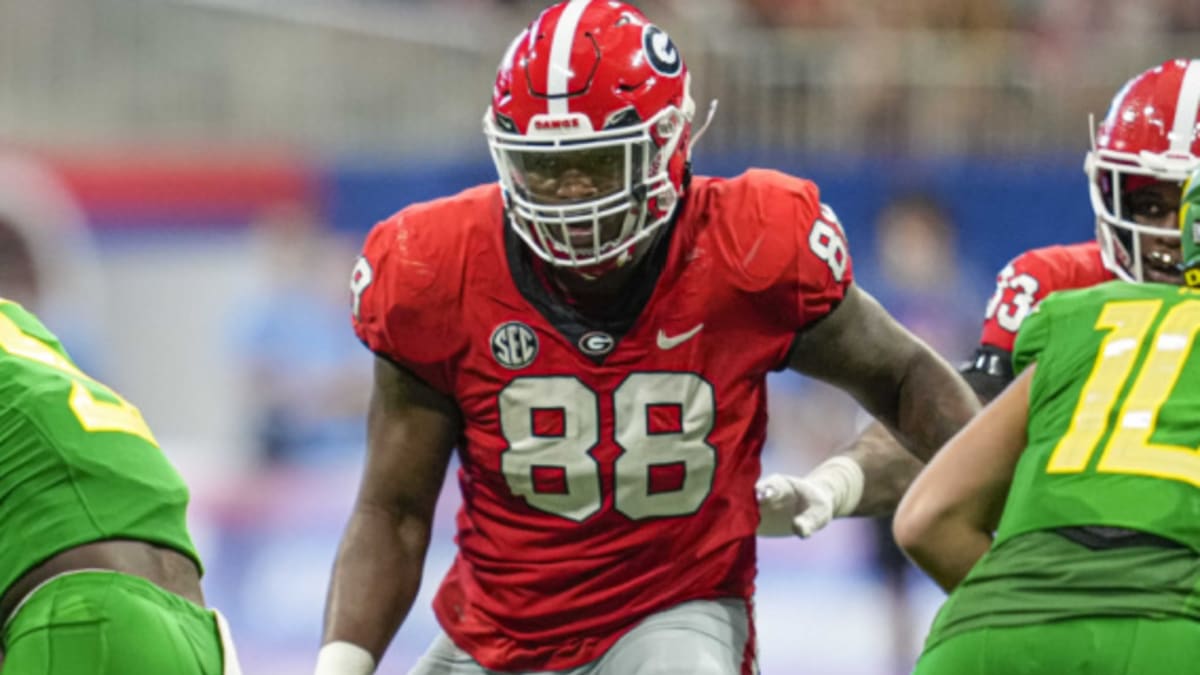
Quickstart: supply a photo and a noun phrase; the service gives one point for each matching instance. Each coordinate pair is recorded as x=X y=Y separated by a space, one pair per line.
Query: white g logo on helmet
x=661 y=52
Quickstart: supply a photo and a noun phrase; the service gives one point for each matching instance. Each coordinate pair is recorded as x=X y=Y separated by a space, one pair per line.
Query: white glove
x=790 y=505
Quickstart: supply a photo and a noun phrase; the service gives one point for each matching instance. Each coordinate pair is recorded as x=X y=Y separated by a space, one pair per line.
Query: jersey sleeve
x=403 y=302
x=824 y=268
x=1033 y=337
x=788 y=249
x=1019 y=287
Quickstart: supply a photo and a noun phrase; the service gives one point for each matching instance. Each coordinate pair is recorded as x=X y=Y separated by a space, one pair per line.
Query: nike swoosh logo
x=672 y=341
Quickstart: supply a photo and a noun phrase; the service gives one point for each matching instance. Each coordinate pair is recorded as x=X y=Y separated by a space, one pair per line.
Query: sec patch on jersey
x=514 y=345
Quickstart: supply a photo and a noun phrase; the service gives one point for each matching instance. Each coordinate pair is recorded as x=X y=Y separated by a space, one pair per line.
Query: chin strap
x=712 y=110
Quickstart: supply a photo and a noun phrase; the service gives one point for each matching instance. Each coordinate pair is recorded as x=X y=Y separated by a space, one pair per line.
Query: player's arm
x=916 y=395
x=987 y=373
x=411 y=432
x=892 y=466
x=893 y=374
x=946 y=519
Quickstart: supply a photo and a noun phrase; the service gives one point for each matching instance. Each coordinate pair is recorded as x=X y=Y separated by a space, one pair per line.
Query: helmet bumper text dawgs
x=591 y=83
x=1150 y=131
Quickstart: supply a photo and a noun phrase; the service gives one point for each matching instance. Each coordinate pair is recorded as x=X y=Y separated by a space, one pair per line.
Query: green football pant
x=107 y=623
x=1100 y=646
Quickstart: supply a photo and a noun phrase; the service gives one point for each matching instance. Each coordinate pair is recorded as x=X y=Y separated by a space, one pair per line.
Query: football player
x=98 y=573
x=1063 y=517
x=1141 y=154
x=593 y=333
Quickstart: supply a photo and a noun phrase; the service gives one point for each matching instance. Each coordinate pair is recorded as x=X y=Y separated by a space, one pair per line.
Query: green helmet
x=1189 y=230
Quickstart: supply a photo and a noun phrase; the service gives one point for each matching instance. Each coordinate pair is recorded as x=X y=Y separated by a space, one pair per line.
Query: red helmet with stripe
x=1148 y=135
x=590 y=131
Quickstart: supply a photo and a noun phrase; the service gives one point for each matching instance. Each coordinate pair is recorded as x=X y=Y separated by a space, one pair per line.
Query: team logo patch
x=514 y=345
x=596 y=343
x=661 y=51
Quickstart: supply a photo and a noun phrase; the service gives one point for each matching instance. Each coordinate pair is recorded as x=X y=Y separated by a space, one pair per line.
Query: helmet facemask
x=583 y=198
x=1124 y=199
x=1141 y=153
x=1121 y=183
x=590 y=130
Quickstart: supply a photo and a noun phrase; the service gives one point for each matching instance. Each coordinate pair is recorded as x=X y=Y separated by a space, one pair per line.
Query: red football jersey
x=1032 y=276
x=606 y=473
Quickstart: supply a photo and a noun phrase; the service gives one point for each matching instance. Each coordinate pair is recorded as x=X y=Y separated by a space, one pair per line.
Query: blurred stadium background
x=184 y=184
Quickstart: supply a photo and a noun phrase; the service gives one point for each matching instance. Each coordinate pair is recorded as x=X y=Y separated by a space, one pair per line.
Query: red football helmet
x=1149 y=134
x=590 y=130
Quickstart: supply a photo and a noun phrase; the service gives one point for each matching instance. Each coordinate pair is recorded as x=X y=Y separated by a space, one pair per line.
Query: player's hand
x=792 y=506
x=789 y=505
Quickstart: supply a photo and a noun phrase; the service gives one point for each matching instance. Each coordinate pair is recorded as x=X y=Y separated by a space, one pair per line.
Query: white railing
x=400 y=79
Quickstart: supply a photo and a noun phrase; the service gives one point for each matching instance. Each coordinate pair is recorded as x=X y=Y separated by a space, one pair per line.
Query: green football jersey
x=1113 y=437
x=1112 y=441
x=77 y=462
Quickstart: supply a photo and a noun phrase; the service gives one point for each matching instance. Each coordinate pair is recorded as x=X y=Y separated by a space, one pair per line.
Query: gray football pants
x=702 y=637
